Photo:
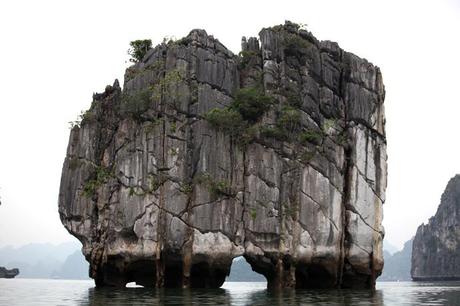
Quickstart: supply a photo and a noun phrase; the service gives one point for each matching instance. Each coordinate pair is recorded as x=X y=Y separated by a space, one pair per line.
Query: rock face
x=5 y=273
x=277 y=155
x=436 y=248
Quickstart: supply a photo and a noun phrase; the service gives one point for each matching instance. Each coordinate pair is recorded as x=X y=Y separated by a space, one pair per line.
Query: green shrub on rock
x=137 y=103
x=273 y=132
x=307 y=155
x=251 y=103
x=240 y=117
x=216 y=188
x=245 y=58
x=253 y=213
x=138 y=49
x=247 y=136
x=100 y=177
x=287 y=126
x=294 y=45
x=289 y=121
x=226 y=120
x=315 y=137
x=84 y=117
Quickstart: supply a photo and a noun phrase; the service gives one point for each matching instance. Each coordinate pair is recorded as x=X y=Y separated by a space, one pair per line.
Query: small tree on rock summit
x=138 y=49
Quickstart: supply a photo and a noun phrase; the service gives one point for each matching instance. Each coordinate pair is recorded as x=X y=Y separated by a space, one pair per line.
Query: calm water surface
x=70 y=292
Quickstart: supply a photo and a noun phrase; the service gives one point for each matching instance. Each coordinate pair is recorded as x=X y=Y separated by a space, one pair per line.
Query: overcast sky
x=55 y=54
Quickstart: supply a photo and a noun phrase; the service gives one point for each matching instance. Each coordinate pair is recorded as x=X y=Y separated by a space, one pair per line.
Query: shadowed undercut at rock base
x=277 y=154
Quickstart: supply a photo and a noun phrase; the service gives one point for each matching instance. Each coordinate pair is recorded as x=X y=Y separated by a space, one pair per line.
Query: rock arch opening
x=241 y=271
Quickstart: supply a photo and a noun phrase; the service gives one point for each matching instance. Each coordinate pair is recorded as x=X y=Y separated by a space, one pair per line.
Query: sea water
x=73 y=292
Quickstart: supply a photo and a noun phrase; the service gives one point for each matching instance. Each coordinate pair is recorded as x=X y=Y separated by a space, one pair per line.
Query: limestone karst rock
x=436 y=247
x=277 y=154
x=5 y=273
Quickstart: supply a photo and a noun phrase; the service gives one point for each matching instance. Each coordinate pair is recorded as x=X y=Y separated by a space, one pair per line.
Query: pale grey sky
x=55 y=54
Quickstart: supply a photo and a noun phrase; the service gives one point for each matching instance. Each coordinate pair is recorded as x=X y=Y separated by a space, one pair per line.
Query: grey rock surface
x=160 y=196
x=436 y=247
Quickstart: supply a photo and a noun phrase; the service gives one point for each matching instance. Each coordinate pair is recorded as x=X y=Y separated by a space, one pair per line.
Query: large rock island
x=277 y=154
x=436 y=248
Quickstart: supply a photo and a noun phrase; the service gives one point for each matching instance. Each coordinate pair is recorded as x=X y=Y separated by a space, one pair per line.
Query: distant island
x=241 y=271
x=45 y=260
x=397 y=265
x=436 y=248
x=5 y=273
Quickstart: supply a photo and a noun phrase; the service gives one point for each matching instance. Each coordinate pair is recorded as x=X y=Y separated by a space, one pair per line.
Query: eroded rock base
x=283 y=274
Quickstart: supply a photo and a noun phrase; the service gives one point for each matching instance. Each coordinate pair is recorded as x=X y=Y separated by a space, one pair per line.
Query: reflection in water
x=149 y=296
x=315 y=297
x=236 y=294
x=421 y=293
x=61 y=292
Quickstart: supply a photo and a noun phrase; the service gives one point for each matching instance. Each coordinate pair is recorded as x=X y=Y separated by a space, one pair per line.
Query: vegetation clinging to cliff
x=251 y=103
x=226 y=120
x=100 y=176
x=294 y=45
x=138 y=49
x=137 y=103
x=238 y=119
x=216 y=188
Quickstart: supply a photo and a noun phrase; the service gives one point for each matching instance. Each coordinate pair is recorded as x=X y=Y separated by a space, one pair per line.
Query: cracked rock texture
x=436 y=247
x=159 y=196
